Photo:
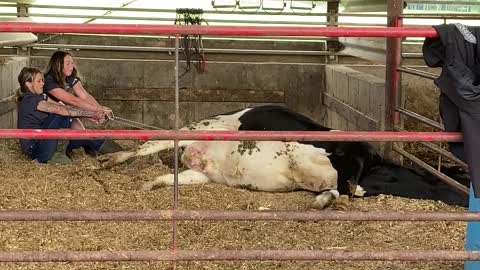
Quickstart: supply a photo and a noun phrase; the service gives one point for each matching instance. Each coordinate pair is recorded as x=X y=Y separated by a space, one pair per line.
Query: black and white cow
x=329 y=168
x=262 y=166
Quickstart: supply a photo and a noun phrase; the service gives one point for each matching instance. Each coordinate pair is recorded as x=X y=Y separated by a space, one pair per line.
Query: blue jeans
x=43 y=150
x=473 y=232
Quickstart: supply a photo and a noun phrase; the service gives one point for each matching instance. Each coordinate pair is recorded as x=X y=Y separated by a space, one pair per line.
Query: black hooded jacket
x=457 y=52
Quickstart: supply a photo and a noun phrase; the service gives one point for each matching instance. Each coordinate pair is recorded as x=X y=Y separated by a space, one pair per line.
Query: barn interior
x=338 y=82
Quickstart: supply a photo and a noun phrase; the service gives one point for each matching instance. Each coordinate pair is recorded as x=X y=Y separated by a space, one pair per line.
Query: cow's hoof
x=113 y=159
x=325 y=199
x=322 y=202
x=319 y=205
x=150 y=185
x=104 y=158
x=341 y=204
x=107 y=160
x=147 y=186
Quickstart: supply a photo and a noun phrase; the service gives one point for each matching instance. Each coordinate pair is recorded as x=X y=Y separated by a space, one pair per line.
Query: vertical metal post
x=175 y=144
x=177 y=120
x=332 y=44
x=22 y=10
x=392 y=76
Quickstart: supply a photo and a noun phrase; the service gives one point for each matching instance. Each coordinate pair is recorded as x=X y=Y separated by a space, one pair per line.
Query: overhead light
x=273 y=5
x=302 y=5
x=249 y=4
x=224 y=3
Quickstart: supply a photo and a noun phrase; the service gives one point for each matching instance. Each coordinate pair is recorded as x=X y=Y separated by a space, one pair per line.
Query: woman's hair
x=55 y=67
x=27 y=74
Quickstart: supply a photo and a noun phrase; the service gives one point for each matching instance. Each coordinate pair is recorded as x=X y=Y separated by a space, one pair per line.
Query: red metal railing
x=216 y=30
x=215 y=215
x=45 y=134
x=217 y=255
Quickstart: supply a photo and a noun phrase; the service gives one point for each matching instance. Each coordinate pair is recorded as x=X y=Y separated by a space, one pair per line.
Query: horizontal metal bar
x=172 y=19
x=252 y=255
x=211 y=21
x=163 y=19
x=259 y=12
x=100 y=17
x=454 y=184
x=412 y=55
x=444 y=153
x=463 y=3
x=356 y=14
x=421 y=118
x=442 y=16
x=419 y=73
x=157 y=10
x=216 y=30
x=157 y=49
x=439 y=150
x=215 y=12
x=216 y=215
x=46 y=134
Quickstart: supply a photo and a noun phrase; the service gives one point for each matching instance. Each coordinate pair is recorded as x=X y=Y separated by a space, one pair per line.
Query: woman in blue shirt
x=37 y=111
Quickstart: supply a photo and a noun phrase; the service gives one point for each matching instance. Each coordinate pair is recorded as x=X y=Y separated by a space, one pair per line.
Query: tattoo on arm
x=77 y=112
x=56 y=108
x=50 y=107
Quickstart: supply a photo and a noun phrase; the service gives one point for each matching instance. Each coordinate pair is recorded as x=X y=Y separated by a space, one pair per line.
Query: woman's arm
x=55 y=108
x=70 y=99
x=81 y=92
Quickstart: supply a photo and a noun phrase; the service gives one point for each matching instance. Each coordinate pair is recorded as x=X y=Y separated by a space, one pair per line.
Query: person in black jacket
x=456 y=50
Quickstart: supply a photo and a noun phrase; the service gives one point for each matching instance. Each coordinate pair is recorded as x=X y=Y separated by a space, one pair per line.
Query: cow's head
x=350 y=160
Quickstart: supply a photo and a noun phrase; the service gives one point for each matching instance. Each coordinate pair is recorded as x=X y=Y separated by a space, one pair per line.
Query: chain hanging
x=191 y=45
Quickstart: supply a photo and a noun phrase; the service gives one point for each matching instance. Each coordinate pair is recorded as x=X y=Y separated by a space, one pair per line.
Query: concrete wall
x=341 y=97
x=355 y=100
x=418 y=94
x=143 y=90
x=9 y=69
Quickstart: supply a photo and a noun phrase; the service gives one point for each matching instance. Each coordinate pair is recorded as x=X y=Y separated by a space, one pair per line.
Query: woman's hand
x=108 y=112
x=100 y=117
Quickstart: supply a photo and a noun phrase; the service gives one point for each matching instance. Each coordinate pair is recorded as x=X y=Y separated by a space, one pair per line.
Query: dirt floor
x=86 y=186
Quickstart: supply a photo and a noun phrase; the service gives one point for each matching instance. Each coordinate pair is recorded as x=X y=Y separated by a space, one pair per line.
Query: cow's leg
x=353 y=185
x=148 y=148
x=228 y=121
x=349 y=176
x=326 y=198
x=188 y=177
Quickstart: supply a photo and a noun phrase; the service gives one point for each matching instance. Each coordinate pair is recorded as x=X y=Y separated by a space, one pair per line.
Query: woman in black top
x=37 y=111
x=62 y=84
